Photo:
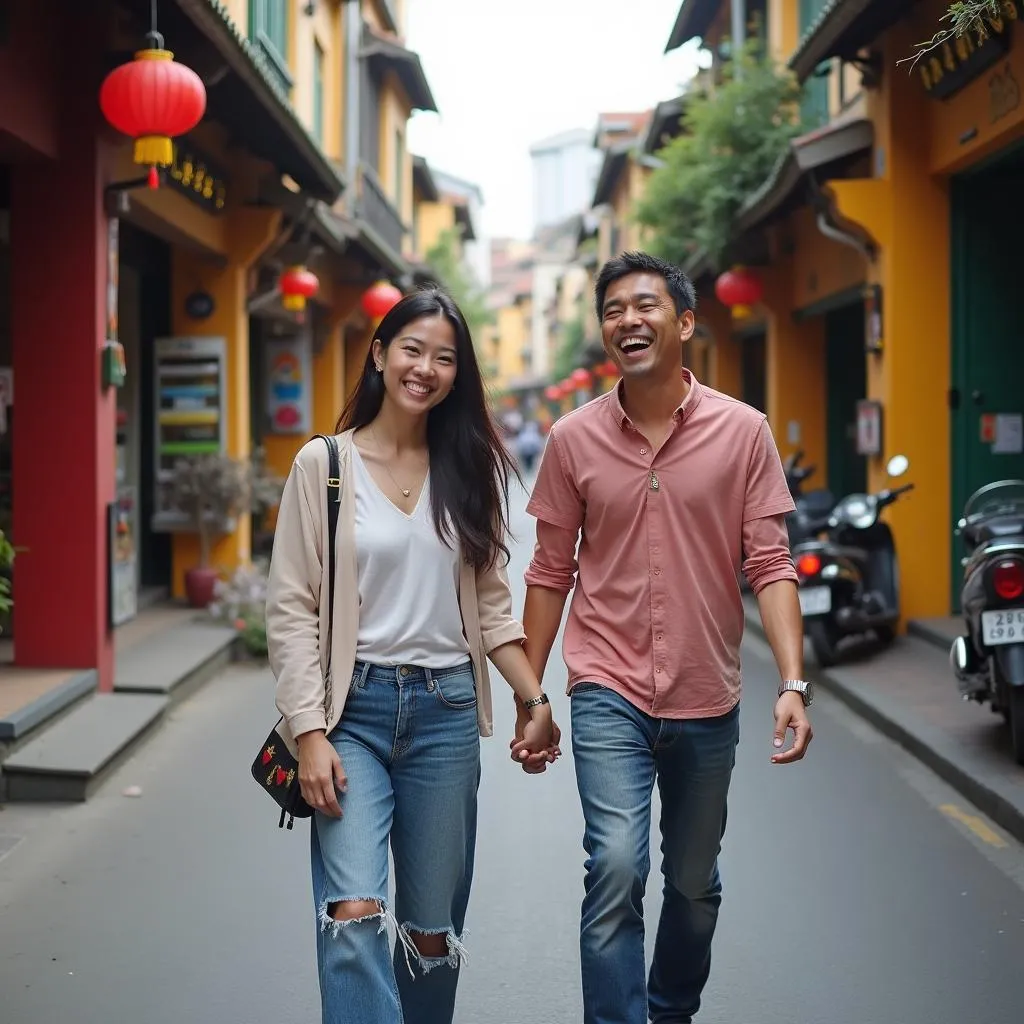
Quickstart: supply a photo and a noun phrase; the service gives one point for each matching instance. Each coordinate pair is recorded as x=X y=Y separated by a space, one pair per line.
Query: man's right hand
x=321 y=776
x=532 y=763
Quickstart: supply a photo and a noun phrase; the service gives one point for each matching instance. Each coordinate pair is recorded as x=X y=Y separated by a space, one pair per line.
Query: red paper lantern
x=739 y=289
x=298 y=284
x=153 y=99
x=379 y=300
x=553 y=393
x=581 y=378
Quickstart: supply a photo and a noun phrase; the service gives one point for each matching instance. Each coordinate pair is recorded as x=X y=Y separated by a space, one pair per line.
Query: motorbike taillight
x=808 y=565
x=1007 y=578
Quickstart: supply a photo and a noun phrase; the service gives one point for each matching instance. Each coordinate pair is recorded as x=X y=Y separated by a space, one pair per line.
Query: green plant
x=241 y=602
x=569 y=350
x=963 y=17
x=446 y=265
x=210 y=491
x=265 y=485
x=733 y=137
x=6 y=564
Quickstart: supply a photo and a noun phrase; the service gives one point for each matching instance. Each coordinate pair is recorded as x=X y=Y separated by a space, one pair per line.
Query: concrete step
x=176 y=661
x=69 y=759
x=939 y=632
x=16 y=724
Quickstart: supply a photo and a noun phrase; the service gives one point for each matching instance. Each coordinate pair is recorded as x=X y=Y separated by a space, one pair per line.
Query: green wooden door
x=987 y=372
x=846 y=384
x=814 y=105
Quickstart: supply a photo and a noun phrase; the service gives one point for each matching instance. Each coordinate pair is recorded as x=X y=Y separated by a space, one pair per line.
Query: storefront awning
x=842 y=29
x=248 y=101
x=390 y=55
x=692 y=21
x=821 y=150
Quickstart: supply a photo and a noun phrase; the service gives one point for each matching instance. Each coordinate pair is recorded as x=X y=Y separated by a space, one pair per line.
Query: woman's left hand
x=536 y=743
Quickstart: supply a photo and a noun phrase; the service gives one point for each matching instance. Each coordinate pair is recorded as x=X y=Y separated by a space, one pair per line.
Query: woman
x=421 y=600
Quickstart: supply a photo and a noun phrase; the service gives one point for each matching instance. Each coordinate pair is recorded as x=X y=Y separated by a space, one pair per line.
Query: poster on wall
x=869 y=428
x=289 y=384
x=123 y=588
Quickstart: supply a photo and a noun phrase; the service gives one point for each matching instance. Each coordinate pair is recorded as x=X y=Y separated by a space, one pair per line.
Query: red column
x=64 y=420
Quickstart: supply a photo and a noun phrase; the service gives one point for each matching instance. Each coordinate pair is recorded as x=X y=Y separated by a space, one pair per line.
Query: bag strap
x=333 y=510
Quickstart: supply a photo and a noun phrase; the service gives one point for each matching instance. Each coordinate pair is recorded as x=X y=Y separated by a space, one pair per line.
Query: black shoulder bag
x=275 y=769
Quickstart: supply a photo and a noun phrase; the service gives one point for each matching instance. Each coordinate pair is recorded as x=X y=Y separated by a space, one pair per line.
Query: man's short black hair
x=680 y=287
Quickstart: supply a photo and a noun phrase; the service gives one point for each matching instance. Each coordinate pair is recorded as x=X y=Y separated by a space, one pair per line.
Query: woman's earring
x=380 y=369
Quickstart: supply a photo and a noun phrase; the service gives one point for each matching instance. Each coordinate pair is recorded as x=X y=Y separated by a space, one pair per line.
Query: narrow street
x=859 y=888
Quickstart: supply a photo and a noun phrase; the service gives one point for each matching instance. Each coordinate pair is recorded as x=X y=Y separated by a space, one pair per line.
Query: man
x=673 y=486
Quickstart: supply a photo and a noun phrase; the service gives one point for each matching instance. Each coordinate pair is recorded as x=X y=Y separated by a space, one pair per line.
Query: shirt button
x=659 y=637
x=643 y=451
x=658 y=670
x=657 y=572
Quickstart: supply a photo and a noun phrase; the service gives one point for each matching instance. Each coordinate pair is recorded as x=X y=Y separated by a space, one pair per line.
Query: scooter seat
x=995 y=528
x=816 y=504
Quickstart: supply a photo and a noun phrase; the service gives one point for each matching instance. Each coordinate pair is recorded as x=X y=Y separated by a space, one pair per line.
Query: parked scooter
x=812 y=509
x=849 y=582
x=989 y=661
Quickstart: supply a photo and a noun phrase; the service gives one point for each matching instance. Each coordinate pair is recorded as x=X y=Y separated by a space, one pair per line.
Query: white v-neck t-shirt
x=408 y=581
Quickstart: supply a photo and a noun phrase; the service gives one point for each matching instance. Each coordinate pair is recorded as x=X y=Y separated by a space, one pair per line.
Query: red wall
x=64 y=439
x=29 y=77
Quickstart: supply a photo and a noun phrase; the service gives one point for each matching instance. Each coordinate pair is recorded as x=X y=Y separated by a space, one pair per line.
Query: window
x=399 y=170
x=318 y=92
x=268 y=32
x=815 y=102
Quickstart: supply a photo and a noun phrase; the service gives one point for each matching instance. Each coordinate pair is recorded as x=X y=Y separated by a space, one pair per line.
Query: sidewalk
x=908 y=692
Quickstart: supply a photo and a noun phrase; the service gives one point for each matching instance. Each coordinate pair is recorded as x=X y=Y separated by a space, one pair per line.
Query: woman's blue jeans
x=410 y=746
x=619 y=752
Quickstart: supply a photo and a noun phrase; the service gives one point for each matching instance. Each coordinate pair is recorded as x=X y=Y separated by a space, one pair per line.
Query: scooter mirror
x=897 y=465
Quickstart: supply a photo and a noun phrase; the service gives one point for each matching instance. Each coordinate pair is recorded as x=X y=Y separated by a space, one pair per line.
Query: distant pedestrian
x=389 y=748
x=671 y=486
x=529 y=445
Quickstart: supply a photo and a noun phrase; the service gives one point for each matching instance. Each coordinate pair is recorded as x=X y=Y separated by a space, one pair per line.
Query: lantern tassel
x=154 y=178
x=154 y=150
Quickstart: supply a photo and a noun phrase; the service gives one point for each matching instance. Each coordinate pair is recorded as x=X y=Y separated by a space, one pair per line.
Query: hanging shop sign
x=196 y=176
x=113 y=369
x=958 y=61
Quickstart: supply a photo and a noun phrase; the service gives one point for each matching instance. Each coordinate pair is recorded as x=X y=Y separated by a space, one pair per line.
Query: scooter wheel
x=824 y=640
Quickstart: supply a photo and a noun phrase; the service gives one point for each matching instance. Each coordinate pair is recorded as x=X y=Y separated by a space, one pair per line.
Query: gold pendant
x=405 y=492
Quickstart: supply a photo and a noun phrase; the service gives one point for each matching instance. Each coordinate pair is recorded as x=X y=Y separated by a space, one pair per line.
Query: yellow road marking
x=975 y=824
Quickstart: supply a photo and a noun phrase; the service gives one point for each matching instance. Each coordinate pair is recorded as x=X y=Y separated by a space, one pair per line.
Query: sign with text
x=195 y=175
x=959 y=60
x=289 y=385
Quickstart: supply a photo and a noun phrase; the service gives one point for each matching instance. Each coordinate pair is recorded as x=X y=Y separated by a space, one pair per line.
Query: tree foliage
x=962 y=17
x=733 y=136
x=569 y=350
x=446 y=265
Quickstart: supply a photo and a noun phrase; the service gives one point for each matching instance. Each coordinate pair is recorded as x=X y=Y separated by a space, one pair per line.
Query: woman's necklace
x=387 y=469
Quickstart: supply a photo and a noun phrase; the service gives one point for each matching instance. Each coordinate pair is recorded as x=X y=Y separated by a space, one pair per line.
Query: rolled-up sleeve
x=555 y=498
x=767 y=558
x=554 y=558
x=494 y=603
x=293 y=598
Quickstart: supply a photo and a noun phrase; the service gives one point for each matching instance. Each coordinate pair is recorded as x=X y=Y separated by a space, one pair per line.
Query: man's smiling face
x=641 y=331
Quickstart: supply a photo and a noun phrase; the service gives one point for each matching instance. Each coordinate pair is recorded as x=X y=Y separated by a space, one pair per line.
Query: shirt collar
x=683 y=413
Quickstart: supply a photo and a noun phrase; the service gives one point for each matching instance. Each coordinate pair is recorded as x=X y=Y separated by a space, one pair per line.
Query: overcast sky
x=506 y=75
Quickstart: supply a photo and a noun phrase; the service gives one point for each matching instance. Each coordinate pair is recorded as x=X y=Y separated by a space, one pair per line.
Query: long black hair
x=469 y=465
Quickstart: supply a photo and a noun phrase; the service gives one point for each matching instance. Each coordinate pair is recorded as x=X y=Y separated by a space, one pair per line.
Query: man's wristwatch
x=801 y=686
x=535 y=702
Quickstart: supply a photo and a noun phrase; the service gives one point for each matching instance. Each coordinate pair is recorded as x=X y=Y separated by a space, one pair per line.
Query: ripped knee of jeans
x=336 y=915
x=432 y=947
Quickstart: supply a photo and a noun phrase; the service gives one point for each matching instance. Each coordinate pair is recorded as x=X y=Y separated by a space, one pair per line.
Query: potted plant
x=6 y=565
x=210 y=492
x=241 y=602
x=266 y=496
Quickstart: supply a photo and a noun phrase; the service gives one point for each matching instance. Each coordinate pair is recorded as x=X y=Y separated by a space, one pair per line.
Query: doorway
x=754 y=369
x=846 y=383
x=987 y=350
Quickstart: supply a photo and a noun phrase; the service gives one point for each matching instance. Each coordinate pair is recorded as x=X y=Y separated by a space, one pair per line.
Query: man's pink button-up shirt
x=657 y=614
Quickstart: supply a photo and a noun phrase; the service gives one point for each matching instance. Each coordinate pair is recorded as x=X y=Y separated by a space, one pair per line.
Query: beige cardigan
x=296 y=619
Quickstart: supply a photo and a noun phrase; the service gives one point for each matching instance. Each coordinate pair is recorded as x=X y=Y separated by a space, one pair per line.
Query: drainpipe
x=353 y=42
x=739 y=32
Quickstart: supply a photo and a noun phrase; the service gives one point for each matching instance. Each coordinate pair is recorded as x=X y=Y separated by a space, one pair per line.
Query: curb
x=969 y=784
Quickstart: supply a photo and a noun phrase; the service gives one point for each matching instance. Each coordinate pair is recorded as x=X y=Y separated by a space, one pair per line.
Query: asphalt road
x=859 y=888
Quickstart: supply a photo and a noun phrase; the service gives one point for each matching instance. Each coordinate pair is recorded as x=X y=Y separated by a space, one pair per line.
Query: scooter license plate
x=815 y=600
x=1005 y=627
